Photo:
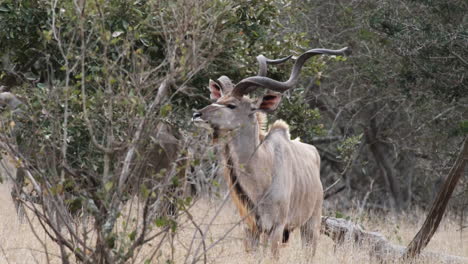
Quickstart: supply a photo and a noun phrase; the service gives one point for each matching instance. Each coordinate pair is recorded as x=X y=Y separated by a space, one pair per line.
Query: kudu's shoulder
x=278 y=135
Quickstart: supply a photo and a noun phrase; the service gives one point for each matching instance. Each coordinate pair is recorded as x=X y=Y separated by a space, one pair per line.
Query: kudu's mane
x=262 y=125
x=280 y=124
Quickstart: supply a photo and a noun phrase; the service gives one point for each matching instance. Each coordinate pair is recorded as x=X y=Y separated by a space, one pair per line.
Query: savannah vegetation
x=103 y=164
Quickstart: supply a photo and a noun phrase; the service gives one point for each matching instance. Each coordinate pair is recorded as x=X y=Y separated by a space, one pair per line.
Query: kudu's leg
x=252 y=238
x=310 y=231
x=276 y=238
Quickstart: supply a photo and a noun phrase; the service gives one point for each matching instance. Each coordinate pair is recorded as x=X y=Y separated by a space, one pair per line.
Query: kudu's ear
x=215 y=90
x=269 y=102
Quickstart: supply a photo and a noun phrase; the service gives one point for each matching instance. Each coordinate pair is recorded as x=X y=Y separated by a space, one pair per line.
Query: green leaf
x=78 y=250
x=175 y=181
x=144 y=191
x=160 y=222
x=56 y=189
x=188 y=201
x=166 y=109
x=132 y=235
x=339 y=214
x=215 y=183
x=110 y=240
x=74 y=204
x=464 y=127
x=173 y=226
x=108 y=186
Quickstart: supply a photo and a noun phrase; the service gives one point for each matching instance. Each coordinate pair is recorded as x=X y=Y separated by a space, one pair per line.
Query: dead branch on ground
x=341 y=230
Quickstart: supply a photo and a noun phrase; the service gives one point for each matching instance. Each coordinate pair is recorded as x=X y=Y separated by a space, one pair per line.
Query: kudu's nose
x=196 y=115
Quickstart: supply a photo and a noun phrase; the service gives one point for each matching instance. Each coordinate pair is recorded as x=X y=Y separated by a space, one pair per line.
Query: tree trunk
x=386 y=169
x=434 y=217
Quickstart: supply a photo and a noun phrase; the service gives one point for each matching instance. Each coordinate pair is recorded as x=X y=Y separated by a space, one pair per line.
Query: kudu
x=274 y=181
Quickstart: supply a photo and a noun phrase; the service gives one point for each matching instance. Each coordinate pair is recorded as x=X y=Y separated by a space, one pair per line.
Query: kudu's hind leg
x=310 y=232
x=276 y=237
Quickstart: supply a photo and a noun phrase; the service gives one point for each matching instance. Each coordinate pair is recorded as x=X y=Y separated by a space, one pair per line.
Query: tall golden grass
x=223 y=237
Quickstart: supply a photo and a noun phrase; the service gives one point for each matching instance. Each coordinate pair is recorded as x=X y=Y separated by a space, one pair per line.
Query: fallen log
x=382 y=250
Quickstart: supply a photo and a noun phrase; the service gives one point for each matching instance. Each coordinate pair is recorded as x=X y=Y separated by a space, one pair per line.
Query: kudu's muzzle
x=196 y=117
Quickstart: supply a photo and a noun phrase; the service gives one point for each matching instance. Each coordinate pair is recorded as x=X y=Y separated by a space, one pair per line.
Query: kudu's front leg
x=251 y=241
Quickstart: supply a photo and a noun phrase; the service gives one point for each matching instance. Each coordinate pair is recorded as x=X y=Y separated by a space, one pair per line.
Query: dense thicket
x=403 y=92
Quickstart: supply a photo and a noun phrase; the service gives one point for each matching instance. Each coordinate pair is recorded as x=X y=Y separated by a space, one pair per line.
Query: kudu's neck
x=238 y=153
x=241 y=144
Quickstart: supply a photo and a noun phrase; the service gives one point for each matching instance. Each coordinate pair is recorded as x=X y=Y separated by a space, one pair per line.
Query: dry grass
x=18 y=244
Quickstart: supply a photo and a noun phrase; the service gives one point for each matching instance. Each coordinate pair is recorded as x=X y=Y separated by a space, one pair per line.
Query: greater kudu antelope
x=275 y=182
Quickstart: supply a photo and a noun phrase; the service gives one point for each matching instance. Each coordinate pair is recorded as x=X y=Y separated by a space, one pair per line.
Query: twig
x=331 y=186
x=4 y=254
x=190 y=217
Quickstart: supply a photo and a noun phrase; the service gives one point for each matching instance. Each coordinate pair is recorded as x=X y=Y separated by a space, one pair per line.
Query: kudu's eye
x=231 y=106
